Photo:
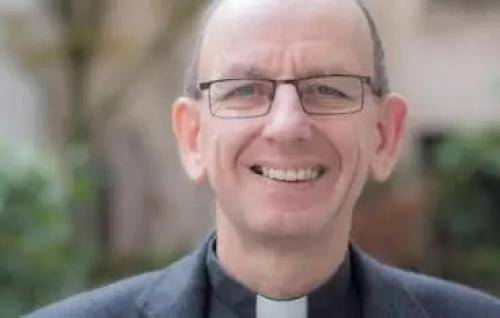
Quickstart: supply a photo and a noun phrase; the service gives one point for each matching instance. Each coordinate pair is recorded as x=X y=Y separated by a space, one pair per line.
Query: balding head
x=381 y=82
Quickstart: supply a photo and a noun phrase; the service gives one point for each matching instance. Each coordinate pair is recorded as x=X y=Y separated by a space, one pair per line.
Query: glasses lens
x=332 y=94
x=240 y=98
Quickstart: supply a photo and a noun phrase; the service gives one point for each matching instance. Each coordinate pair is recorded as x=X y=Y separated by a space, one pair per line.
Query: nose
x=287 y=121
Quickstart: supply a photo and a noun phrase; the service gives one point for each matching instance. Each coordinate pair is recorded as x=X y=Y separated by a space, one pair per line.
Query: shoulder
x=149 y=294
x=114 y=300
x=119 y=299
x=442 y=298
x=393 y=292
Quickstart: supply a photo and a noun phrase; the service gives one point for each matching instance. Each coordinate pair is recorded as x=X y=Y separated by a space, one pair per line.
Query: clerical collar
x=229 y=298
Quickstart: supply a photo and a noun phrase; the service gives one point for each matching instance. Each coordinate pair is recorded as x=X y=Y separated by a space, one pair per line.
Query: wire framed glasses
x=319 y=95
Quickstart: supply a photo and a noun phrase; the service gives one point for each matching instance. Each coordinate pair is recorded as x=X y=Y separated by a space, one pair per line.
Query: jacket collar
x=181 y=289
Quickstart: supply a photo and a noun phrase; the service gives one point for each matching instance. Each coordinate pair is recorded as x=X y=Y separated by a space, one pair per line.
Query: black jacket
x=180 y=290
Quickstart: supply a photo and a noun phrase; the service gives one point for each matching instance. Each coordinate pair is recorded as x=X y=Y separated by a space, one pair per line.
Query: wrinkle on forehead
x=300 y=17
x=285 y=64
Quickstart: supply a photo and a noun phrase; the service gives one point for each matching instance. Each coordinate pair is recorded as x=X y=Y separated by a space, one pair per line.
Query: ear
x=186 y=126
x=390 y=132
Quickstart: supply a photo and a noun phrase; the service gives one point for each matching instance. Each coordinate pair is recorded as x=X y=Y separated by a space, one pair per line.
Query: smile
x=289 y=175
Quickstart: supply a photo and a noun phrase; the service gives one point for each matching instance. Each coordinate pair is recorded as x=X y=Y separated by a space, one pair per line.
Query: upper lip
x=288 y=165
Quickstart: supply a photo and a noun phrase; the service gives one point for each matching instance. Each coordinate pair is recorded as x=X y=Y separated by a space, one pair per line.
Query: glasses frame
x=203 y=86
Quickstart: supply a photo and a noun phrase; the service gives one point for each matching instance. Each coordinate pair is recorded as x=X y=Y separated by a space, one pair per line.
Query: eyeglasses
x=319 y=95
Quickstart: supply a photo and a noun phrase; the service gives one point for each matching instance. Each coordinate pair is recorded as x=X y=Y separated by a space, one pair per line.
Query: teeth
x=291 y=175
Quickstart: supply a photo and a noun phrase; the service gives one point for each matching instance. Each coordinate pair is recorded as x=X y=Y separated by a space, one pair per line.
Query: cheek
x=346 y=138
x=361 y=132
x=211 y=143
x=221 y=144
x=353 y=141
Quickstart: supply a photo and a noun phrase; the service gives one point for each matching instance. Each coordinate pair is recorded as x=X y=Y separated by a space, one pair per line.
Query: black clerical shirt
x=228 y=298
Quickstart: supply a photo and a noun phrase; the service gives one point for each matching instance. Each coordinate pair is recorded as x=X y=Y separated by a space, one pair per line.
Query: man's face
x=284 y=40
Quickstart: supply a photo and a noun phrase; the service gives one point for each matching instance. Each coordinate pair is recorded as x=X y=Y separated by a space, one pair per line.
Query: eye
x=329 y=91
x=247 y=90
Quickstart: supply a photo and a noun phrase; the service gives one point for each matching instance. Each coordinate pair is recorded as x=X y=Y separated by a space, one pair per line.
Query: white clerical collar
x=268 y=308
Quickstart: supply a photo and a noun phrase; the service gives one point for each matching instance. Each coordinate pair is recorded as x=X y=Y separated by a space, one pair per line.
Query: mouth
x=306 y=174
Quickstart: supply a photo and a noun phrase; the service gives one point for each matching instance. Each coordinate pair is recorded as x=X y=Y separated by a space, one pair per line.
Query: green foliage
x=41 y=260
x=468 y=206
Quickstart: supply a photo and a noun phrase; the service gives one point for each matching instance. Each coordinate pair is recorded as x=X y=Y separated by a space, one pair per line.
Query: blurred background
x=91 y=188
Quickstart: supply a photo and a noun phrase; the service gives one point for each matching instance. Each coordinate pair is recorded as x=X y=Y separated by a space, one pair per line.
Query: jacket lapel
x=382 y=292
x=180 y=291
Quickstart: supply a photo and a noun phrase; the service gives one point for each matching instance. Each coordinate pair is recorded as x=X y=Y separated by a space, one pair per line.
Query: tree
x=74 y=53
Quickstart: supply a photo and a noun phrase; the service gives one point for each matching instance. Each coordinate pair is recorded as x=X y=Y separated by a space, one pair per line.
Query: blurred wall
x=443 y=56
x=21 y=118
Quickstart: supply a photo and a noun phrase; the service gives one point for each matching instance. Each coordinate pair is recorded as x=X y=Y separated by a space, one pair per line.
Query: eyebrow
x=254 y=72
x=243 y=71
x=324 y=71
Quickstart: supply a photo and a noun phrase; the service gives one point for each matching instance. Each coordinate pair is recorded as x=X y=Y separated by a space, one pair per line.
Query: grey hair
x=380 y=84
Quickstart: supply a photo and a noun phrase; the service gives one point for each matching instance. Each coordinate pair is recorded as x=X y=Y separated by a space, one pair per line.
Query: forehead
x=286 y=37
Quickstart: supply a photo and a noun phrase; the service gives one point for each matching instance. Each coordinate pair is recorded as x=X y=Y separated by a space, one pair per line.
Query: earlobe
x=390 y=129
x=186 y=127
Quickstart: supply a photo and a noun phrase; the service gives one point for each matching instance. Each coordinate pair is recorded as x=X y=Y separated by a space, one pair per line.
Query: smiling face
x=287 y=174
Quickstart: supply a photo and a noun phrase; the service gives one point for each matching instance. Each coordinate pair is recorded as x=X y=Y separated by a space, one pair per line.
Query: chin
x=289 y=224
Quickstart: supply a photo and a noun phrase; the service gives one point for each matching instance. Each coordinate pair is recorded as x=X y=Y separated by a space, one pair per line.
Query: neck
x=284 y=267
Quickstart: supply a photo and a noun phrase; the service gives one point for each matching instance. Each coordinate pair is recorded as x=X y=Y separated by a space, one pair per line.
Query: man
x=287 y=115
